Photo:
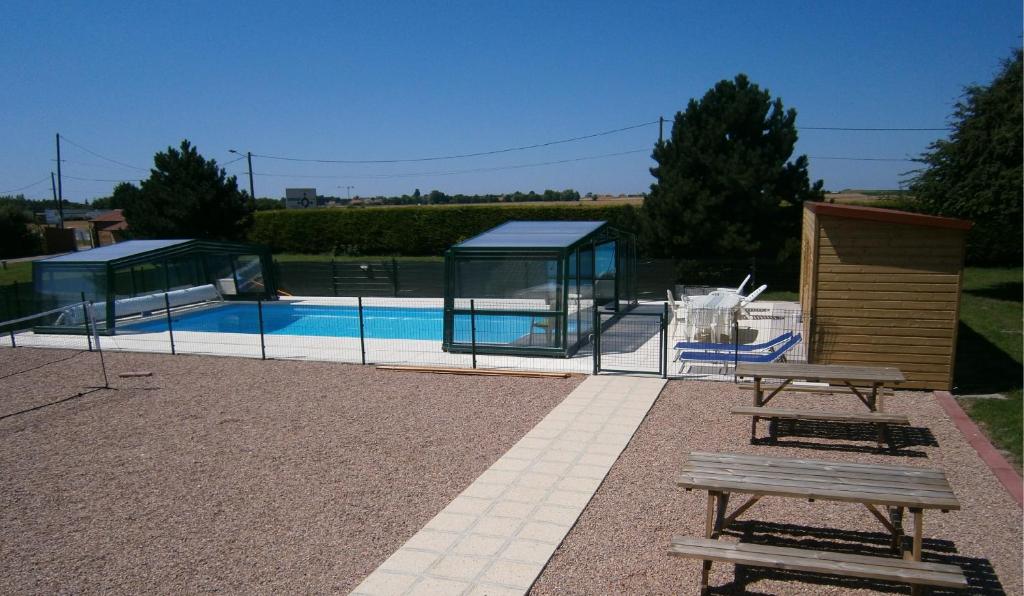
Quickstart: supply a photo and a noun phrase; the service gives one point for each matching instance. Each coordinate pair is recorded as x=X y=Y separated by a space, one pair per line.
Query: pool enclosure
x=131 y=278
x=535 y=287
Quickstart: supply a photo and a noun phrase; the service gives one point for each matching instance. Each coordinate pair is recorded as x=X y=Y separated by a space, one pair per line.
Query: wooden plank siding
x=882 y=293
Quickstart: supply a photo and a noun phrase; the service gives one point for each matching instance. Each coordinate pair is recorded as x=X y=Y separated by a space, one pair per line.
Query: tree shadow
x=981 y=367
x=1011 y=291
x=981 y=577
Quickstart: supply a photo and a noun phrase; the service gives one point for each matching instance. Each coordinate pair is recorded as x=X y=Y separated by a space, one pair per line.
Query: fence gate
x=631 y=341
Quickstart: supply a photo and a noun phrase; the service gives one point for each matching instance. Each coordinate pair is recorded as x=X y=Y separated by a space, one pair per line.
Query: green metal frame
x=623 y=299
x=195 y=250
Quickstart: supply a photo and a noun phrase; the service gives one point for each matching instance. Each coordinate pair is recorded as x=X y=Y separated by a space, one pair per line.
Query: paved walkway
x=496 y=537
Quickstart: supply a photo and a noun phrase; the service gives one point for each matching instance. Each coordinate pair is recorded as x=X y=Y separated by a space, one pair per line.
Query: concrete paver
x=496 y=537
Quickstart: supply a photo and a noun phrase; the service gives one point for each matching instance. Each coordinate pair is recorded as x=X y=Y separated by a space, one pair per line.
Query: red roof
x=115 y=215
x=887 y=216
x=111 y=221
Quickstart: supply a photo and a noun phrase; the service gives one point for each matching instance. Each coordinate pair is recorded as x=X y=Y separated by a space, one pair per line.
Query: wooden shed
x=882 y=287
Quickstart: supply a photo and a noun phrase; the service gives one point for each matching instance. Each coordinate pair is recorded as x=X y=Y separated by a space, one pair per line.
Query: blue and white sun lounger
x=728 y=347
x=731 y=355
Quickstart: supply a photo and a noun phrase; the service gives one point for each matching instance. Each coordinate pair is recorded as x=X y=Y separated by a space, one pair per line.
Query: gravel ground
x=235 y=475
x=620 y=542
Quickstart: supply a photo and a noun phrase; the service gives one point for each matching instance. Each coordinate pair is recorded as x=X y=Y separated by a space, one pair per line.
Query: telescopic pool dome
x=534 y=286
x=117 y=273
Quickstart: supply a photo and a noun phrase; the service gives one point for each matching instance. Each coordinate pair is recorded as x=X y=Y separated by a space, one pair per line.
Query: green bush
x=411 y=231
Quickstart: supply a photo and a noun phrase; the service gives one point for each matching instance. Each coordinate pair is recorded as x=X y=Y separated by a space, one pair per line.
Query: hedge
x=411 y=231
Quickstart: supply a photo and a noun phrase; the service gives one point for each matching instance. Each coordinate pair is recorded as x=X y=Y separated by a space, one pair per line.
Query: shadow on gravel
x=900 y=438
x=981 y=577
x=54 y=403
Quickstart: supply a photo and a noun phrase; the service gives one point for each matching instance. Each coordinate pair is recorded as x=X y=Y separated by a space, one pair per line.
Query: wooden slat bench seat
x=903 y=571
x=882 y=420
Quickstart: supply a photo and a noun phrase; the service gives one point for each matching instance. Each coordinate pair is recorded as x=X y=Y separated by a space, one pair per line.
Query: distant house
x=109 y=227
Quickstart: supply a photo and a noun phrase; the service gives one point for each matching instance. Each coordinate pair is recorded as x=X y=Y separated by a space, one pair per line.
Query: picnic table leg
x=723 y=503
x=709 y=530
x=916 y=552
x=896 y=518
x=758 y=397
x=873 y=399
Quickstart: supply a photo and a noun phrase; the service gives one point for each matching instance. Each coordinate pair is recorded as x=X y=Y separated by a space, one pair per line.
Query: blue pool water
x=380 y=322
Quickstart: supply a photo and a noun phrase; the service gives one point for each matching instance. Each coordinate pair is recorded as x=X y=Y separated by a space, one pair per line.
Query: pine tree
x=188 y=196
x=725 y=185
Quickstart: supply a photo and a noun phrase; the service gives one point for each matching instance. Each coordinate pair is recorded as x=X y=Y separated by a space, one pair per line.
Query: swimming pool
x=379 y=322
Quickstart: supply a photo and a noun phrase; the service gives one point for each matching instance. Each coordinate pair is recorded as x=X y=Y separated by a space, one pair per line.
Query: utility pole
x=349 y=189
x=53 y=187
x=252 y=192
x=60 y=189
x=661 y=128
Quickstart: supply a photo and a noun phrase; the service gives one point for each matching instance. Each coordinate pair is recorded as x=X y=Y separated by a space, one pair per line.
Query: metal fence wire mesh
x=73 y=337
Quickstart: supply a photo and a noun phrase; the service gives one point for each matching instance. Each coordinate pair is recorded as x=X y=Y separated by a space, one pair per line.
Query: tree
x=724 y=183
x=124 y=194
x=188 y=196
x=16 y=238
x=977 y=173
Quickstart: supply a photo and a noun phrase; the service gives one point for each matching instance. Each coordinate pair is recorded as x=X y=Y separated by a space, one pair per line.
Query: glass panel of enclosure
x=58 y=286
x=249 y=274
x=518 y=301
x=604 y=274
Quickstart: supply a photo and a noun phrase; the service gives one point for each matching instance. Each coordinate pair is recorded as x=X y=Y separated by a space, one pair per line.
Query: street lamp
x=252 y=192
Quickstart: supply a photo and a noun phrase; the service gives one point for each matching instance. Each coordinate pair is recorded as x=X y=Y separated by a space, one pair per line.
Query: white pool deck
x=633 y=345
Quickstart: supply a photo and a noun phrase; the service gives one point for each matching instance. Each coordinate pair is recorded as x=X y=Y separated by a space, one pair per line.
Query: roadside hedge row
x=411 y=231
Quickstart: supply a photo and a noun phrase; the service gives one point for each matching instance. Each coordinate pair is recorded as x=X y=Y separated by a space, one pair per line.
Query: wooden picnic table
x=856 y=378
x=872 y=485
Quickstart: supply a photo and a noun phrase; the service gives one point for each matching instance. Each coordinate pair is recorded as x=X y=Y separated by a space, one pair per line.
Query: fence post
x=472 y=328
x=597 y=338
x=17 y=301
x=14 y=344
x=362 y=332
x=170 y=326
x=394 y=275
x=664 y=342
x=89 y=319
x=334 y=277
x=259 y=315
x=735 y=343
x=88 y=339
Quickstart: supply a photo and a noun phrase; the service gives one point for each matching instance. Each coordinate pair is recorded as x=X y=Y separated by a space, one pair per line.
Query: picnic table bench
x=864 y=382
x=871 y=485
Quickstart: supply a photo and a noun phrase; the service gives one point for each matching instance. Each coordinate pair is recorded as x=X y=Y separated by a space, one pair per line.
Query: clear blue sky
x=368 y=80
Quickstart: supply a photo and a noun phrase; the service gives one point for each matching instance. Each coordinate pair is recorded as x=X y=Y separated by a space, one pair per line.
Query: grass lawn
x=989 y=353
x=16 y=272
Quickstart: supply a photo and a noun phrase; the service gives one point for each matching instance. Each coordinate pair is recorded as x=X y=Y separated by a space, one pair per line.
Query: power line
x=103 y=179
x=862 y=158
x=463 y=155
x=36 y=183
x=848 y=128
x=91 y=152
x=453 y=172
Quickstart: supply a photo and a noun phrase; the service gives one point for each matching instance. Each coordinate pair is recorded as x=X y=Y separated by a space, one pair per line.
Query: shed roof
x=534 y=234
x=113 y=252
x=887 y=216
